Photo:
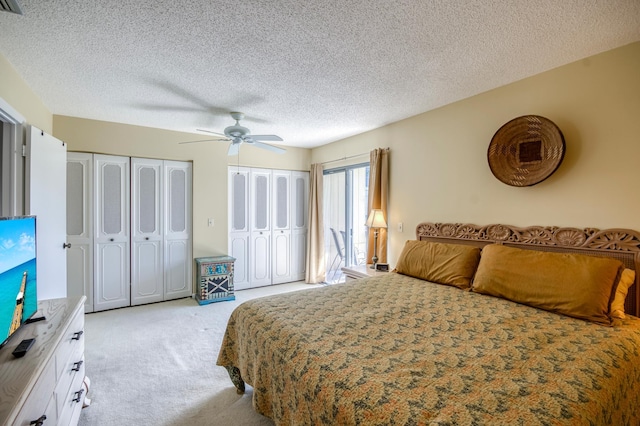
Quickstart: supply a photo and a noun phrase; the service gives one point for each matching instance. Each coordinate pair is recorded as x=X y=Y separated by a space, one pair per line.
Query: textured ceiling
x=311 y=72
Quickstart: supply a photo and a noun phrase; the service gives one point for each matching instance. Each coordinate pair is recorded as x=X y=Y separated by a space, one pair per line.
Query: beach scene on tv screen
x=18 y=298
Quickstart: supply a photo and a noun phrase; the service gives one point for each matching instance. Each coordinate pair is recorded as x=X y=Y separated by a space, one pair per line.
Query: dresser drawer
x=70 y=400
x=71 y=378
x=72 y=343
x=41 y=400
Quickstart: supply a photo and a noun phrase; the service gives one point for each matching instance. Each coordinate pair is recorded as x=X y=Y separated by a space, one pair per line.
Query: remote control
x=23 y=347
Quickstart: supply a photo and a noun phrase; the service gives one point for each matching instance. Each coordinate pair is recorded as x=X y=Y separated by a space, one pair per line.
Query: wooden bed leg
x=236 y=378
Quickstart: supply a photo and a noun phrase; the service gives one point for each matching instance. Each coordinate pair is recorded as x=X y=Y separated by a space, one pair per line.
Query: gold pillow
x=576 y=285
x=451 y=264
x=626 y=280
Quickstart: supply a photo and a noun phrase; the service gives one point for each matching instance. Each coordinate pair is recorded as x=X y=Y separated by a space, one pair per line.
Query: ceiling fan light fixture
x=236 y=131
x=238 y=135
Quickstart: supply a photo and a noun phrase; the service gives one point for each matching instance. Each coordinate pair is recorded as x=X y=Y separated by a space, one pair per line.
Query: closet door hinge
x=24 y=150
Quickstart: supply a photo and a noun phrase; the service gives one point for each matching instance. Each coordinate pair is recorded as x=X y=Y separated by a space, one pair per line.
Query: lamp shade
x=376 y=219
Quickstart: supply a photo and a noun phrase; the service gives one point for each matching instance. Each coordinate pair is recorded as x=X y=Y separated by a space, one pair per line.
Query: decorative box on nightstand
x=214 y=279
x=360 y=271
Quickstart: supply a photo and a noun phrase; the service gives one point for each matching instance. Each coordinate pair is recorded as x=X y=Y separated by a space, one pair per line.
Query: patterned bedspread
x=396 y=350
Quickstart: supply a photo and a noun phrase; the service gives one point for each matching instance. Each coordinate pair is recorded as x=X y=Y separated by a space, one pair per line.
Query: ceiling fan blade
x=272 y=138
x=170 y=108
x=272 y=148
x=213 y=133
x=205 y=140
x=234 y=149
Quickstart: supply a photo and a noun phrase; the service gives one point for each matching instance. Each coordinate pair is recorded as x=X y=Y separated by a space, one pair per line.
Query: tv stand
x=46 y=385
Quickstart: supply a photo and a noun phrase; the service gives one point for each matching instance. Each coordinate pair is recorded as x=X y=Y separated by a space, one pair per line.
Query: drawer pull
x=40 y=421
x=78 y=394
x=76 y=366
x=77 y=334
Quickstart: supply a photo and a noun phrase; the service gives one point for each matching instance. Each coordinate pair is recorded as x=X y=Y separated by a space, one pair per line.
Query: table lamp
x=375 y=222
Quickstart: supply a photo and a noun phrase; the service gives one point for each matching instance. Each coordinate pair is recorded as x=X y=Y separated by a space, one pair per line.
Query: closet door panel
x=299 y=200
x=281 y=254
x=178 y=257
x=281 y=227
x=299 y=219
x=260 y=240
x=239 y=249
x=239 y=205
x=146 y=272
x=260 y=190
x=238 y=199
x=260 y=255
x=111 y=236
x=147 y=280
x=298 y=255
x=80 y=227
x=281 y=200
x=112 y=276
x=177 y=230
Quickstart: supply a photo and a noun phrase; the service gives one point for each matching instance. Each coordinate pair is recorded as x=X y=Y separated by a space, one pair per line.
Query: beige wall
x=14 y=90
x=209 y=159
x=438 y=160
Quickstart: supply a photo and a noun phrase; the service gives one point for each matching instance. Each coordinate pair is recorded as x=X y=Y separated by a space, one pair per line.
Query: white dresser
x=45 y=387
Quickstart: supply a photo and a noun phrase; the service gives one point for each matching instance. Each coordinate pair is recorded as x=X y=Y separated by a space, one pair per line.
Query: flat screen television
x=18 y=289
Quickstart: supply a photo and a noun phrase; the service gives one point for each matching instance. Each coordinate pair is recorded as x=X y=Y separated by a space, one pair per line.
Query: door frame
x=12 y=143
x=348 y=195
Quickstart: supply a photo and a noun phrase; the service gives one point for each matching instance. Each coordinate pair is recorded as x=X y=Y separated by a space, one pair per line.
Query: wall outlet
x=399 y=226
x=210 y=222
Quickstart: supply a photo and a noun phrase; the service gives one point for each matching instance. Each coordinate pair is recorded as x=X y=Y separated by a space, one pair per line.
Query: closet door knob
x=111 y=239
x=40 y=421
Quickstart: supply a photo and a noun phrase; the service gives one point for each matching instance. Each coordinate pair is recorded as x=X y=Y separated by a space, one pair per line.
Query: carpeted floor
x=155 y=365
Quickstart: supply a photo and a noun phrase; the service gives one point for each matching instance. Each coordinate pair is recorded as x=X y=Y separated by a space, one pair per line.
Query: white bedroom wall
x=438 y=160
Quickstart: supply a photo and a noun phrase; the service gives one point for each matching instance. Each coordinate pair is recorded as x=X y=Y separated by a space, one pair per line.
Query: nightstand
x=360 y=271
x=214 y=279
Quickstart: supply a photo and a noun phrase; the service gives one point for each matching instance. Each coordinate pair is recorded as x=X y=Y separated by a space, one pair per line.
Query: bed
x=400 y=350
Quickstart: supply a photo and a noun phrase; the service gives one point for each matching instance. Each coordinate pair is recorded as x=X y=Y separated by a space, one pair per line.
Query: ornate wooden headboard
x=621 y=244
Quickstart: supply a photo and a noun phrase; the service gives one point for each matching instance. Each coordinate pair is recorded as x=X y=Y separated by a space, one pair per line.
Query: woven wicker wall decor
x=526 y=150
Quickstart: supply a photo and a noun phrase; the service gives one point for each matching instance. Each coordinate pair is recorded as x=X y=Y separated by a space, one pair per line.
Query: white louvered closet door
x=299 y=218
x=281 y=227
x=111 y=236
x=147 y=264
x=239 y=225
x=177 y=230
x=80 y=227
x=260 y=225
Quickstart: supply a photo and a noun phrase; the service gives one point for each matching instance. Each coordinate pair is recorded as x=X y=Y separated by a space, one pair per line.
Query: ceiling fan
x=238 y=135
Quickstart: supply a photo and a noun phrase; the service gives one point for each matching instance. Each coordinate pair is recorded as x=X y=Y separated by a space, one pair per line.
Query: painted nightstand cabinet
x=214 y=279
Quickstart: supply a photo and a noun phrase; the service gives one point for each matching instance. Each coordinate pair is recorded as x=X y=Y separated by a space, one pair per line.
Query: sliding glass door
x=346 y=191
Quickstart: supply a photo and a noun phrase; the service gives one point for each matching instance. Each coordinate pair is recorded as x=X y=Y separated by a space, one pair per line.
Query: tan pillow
x=626 y=280
x=451 y=264
x=571 y=284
